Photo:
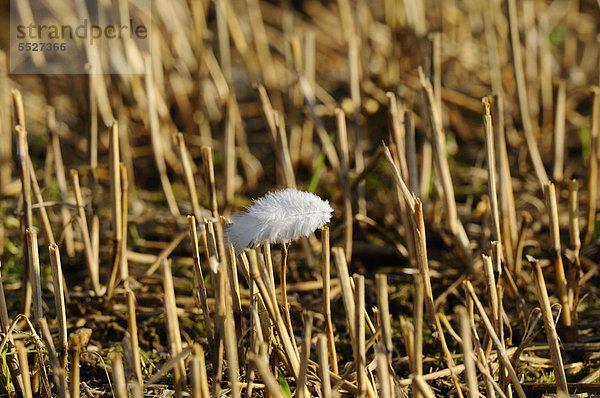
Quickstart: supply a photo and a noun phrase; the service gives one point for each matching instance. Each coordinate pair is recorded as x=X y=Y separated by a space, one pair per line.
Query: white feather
x=278 y=217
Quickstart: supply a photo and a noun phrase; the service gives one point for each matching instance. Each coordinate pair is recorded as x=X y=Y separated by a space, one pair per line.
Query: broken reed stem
x=118 y=373
x=360 y=359
x=418 y=326
x=383 y=374
x=133 y=333
x=172 y=325
x=345 y=181
x=593 y=168
x=323 y=366
x=551 y=336
x=276 y=318
x=559 y=268
x=325 y=275
x=156 y=140
x=260 y=363
x=499 y=346
x=441 y=162
x=85 y=234
x=574 y=273
x=198 y=372
x=505 y=194
x=61 y=183
x=559 y=131
x=423 y=266
x=283 y=286
x=34 y=262
x=77 y=341
x=490 y=282
x=24 y=367
x=307 y=318
x=383 y=306
x=491 y=168
x=116 y=193
x=124 y=265
x=59 y=303
x=534 y=152
x=27 y=219
x=348 y=297
x=467 y=346
x=230 y=340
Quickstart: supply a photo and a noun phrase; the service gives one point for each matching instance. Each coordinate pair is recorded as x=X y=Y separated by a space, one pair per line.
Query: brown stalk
x=77 y=341
x=59 y=373
x=85 y=234
x=199 y=286
x=385 y=381
x=283 y=287
x=344 y=177
x=423 y=265
x=467 y=346
x=559 y=131
x=326 y=276
x=559 y=268
x=411 y=154
x=261 y=364
x=231 y=351
x=284 y=152
x=116 y=193
x=490 y=282
x=118 y=373
x=307 y=323
x=499 y=347
x=517 y=63
x=505 y=194
x=157 y=143
x=24 y=367
x=133 y=333
x=593 y=168
x=61 y=183
x=124 y=266
x=441 y=163
x=324 y=366
x=27 y=219
x=417 y=345
x=198 y=372
x=574 y=273
x=59 y=302
x=383 y=306
x=172 y=325
x=34 y=261
x=232 y=276
x=551 y=336
x=491 y=168
x=276 y=318
x=360 y=359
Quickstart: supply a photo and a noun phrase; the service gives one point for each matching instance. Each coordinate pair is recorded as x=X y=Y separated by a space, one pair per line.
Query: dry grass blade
x=552 y=337
x=59 y=302
x=467 y=346
x=198 y=373
x=491 y=168
x=325 y=275
x=25 y=371
x=34 y=261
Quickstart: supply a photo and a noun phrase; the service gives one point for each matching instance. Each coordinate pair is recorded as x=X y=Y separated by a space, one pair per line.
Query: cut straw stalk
x=188 y=175
x=491 y=168
x=593 y=167
x=551 y=336
x=360 y=358
x=34 y=261
x=345 y=181
x=499 y=346
x=118 y=373
x=384 y=310
x=467 y=345
x=559 y=268
x=172 y=325
x=24 y=367
x=77 y=341
x=559 y=131
x=307 y=318
x=198 y=372
x=27 y=219
x=59 y=302
x=324 y=366
x=133 y=333
x=325 y=274
x=574 y=273
x=85 y=234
